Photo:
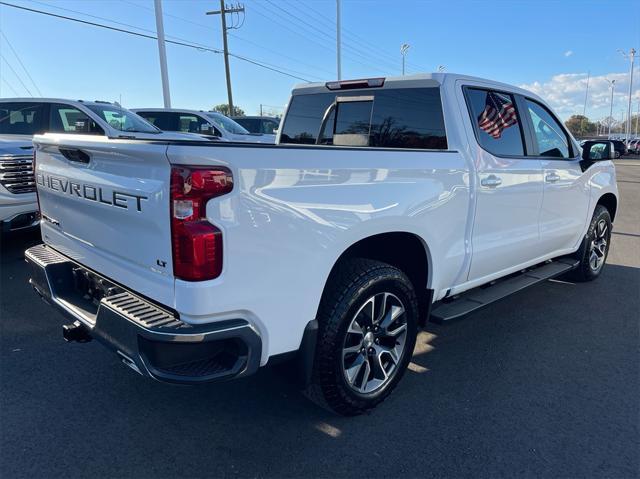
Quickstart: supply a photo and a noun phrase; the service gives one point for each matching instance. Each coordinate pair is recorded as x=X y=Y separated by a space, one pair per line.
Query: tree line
x=581 y=126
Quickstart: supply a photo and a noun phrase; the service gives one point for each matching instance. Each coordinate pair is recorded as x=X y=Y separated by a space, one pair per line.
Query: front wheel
x=594 y=251
x=368 y=324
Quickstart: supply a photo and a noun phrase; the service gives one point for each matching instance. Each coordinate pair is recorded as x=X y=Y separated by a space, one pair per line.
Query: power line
x=306 y=36
x=16 y=74
x=94 y=16
x=313 y=27
x=319 y=30
x=356 y=38
x=231 y=34
x=20 y=62
x=183 y=39
x=10 y=87
x=257 y=45
x=364 y=50
x=202 y=25
x=153 y=37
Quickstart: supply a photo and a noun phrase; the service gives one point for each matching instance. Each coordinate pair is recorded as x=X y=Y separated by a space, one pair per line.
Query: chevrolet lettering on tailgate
x=115 y=198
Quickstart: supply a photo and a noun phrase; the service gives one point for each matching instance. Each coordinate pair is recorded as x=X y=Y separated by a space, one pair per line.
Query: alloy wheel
x=598 y=246
x=374 y=343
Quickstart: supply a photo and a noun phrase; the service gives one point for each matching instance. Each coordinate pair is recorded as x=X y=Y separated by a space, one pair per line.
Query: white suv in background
x=29 y=116
x=18 y=204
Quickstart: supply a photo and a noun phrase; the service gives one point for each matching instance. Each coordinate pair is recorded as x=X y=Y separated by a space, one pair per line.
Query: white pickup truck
x=385 y=202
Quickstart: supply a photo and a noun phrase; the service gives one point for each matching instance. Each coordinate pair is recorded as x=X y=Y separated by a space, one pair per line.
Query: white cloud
x=565 y=93
x=568 y=53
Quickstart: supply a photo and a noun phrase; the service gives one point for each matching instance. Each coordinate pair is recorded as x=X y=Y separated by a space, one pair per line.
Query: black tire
x=585 y=270
x=351 y=288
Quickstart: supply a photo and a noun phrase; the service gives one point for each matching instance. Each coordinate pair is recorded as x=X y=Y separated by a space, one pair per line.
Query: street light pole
x=163 y=54
x=338 y=41
x=404 y=48
x=613 y=84
x=586 y=95
x=631 y=56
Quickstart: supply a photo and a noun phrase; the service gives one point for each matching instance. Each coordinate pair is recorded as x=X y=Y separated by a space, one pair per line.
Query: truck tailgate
x=105 y=203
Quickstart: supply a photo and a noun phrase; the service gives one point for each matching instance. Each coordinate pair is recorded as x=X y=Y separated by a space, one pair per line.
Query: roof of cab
x=56 y=100
x=424 y=80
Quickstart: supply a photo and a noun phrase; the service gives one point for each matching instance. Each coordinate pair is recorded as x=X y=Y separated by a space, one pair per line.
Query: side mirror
x=598 y=151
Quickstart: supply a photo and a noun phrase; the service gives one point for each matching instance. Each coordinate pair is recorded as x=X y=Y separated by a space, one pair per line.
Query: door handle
x=491 y=181
x=552 y=178
x=73 y=154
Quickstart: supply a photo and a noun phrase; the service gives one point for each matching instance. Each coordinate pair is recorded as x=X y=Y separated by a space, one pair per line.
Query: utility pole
x=223 y=12
x=404 y=48
x=338 y=41
x=163 y=54
x=631 y=56
x=613 y=84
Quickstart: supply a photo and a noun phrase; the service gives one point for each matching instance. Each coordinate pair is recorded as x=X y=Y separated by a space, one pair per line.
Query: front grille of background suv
x=16 y=174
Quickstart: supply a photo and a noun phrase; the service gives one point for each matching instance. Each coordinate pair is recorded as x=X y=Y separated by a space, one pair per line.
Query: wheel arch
x=405 y=250
x=610 y=202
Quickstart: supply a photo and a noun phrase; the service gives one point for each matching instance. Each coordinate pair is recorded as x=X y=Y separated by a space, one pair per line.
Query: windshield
x=227 y=124
x=121 y=119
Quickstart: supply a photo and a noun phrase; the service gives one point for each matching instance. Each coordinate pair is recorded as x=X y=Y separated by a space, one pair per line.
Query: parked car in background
x=634 y=146
x=211 y=124
x=18 y=203
x=267 y=125
x=21 y=118
x=620 y=148
x=29 y=116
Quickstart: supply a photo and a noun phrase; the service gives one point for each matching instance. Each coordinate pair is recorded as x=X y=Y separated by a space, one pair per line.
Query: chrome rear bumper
x=148 y=337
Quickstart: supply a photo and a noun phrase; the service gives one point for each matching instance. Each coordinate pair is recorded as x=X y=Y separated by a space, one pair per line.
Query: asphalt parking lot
x=545 y=383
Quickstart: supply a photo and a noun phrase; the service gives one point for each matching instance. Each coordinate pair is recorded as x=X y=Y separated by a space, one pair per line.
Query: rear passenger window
x=409 y=118
x=67 y=119
x=192 y=123
x=251 y=124
x=496 y=122
x=393 y=118
x=269 y=127
x=551 y=139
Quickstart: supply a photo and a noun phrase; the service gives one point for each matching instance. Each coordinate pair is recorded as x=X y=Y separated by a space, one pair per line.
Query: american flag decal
x=498 y=114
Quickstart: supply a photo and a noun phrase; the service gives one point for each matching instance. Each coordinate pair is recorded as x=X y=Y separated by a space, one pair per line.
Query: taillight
x=196 y=243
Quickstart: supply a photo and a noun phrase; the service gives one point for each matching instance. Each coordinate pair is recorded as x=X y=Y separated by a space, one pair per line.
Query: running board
x=479 y=297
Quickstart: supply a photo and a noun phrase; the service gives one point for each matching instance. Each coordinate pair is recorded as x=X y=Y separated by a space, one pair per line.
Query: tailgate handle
x=73 y=154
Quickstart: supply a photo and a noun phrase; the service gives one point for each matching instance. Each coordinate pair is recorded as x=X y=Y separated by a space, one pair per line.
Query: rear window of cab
x=408 y=118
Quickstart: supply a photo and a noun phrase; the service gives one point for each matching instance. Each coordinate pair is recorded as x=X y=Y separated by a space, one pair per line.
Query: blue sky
x=547 y=46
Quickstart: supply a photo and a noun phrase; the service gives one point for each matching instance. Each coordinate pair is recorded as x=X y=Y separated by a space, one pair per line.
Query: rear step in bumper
x=148 y=338
x=477 y=298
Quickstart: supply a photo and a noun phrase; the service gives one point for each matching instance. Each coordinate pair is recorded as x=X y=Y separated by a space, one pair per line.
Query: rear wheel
x=594 y=251
x=368 y=325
